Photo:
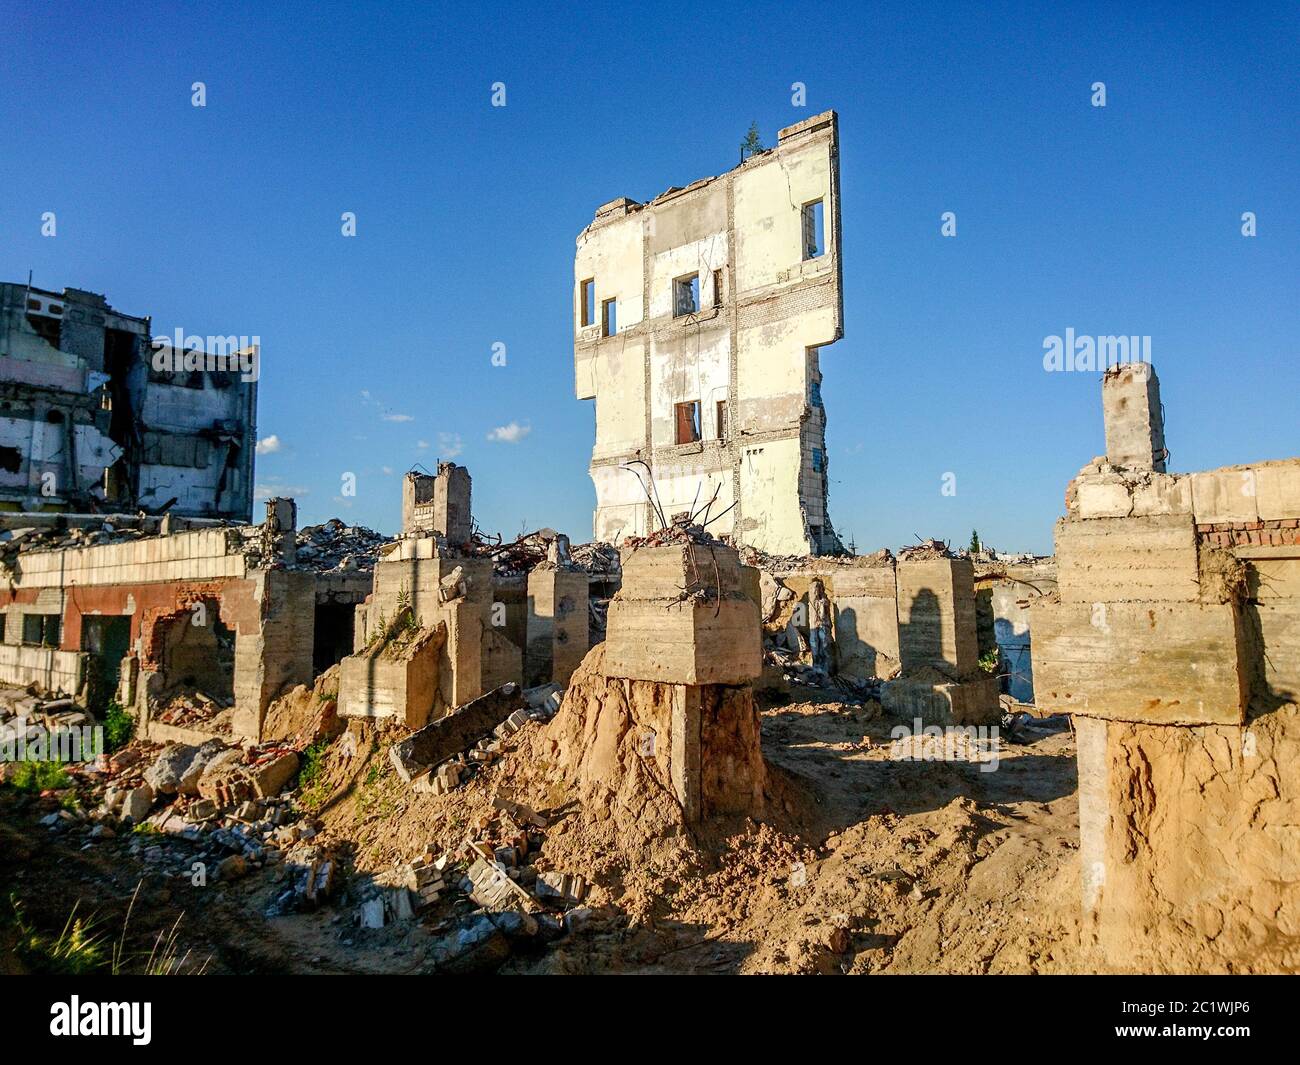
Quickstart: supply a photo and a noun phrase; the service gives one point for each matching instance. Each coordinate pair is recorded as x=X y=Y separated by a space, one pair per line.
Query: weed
x=36 y=777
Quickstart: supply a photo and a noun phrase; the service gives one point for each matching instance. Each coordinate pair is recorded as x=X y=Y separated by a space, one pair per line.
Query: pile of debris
x=597 y=558
x=493 y=873
x=774 y=564
x=333 y=546
x=449 y=751
x=197 y=709
x=211 y=811
x=60 y=536
x=925 y=551
x=794 y=671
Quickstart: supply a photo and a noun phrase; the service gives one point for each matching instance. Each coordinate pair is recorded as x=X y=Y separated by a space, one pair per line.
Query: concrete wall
x=763 y=311
x=48 y=667
x=1175 y=643
x=84 y=396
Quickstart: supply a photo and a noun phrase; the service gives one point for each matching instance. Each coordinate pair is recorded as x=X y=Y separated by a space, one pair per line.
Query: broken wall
x=1174 y=644
x=720 y=400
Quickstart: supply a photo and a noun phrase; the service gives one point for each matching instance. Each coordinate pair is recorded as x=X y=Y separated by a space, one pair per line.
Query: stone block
x=1108 y=560
x=936 y=616
x=683 y=616
x=692 y=641
x=1130 y=397
x=1102 y=497
x=1165 y=493
x=269 y=778
x=969 y=702
x=1277 y=490
x=1225 y=495
x=558 y=616
x=397 y=680
x=1158 y=663
x=455 y=732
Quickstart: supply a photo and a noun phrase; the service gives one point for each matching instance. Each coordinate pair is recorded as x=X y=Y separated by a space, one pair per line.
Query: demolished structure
x=698 y=318
x=89 y=423
x=140 y=611
x=444 y=625
x=1175 y=643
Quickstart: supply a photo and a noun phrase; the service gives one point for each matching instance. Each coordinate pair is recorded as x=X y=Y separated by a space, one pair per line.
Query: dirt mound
x=303 y=716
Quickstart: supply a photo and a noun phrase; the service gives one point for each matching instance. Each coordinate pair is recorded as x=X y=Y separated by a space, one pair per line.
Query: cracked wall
x=746 y=355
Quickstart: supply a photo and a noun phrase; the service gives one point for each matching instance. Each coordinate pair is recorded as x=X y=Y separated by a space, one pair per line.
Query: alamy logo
x=79 y=744
x=1087 y=354
x=103 y=1018
x=180 y=353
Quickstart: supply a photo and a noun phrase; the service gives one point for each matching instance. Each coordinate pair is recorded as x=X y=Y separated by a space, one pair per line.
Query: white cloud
x=449 y=445
x=423 y=445
x=274 y=489
x=387 y=470
x=398 y=417
x=269 y=445
x=509 y=434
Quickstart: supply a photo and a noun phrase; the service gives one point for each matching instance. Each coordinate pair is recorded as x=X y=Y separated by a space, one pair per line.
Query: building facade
x=93 y=420
x=698 y=319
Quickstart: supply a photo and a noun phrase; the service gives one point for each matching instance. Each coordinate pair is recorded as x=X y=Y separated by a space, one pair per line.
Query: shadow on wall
x=1274 y=679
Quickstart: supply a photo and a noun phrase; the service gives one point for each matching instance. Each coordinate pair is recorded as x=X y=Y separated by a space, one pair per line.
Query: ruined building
x=698 y=318
x=89 y=424
x=1175 y=643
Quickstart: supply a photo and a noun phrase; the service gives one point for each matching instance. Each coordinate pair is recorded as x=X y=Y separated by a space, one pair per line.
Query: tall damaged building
x=93 y=420
x=698 y=322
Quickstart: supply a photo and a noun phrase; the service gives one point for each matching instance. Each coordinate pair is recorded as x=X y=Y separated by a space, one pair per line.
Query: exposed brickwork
x=1279 y=533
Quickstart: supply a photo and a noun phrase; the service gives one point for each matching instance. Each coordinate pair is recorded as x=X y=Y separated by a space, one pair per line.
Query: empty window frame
x=608 y=317
x=814 y=230
x=42 y=629
x=818 y=460
x=686 y=295
x=815 y=392
x=587 y=301
x=688 y=422
x=717 y=288
x=721 y=422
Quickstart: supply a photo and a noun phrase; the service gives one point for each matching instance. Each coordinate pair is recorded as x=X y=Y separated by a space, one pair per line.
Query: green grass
x=312 y=793
x=36 y=777
x=82 y=948
x=77 y=950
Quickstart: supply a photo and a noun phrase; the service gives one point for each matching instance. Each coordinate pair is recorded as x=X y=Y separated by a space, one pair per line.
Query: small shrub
x=119 y=726
x=36 y=777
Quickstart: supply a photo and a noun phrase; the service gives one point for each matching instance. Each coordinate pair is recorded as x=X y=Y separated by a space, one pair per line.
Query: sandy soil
x=867 y=865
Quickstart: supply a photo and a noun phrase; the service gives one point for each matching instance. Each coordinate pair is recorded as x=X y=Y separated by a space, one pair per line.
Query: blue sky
x=1117 y=220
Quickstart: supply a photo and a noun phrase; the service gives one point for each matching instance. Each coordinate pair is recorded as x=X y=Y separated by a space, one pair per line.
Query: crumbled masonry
x=711 y=739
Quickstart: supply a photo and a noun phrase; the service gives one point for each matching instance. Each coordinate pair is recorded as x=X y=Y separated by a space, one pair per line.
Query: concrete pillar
x=439 y=504
x=451 y=503
x=279 y=655
x=936 y=616
x=558 y=636
x=1135 y=425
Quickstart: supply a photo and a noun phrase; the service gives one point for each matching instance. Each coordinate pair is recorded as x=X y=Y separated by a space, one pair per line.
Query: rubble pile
x=801 y=563
x=925 y=551
x=334 y=546
x=854 y=690
x=212 y=811
x=498 y=896
x=197 y=709
x=60 y=536
x=449 y=751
